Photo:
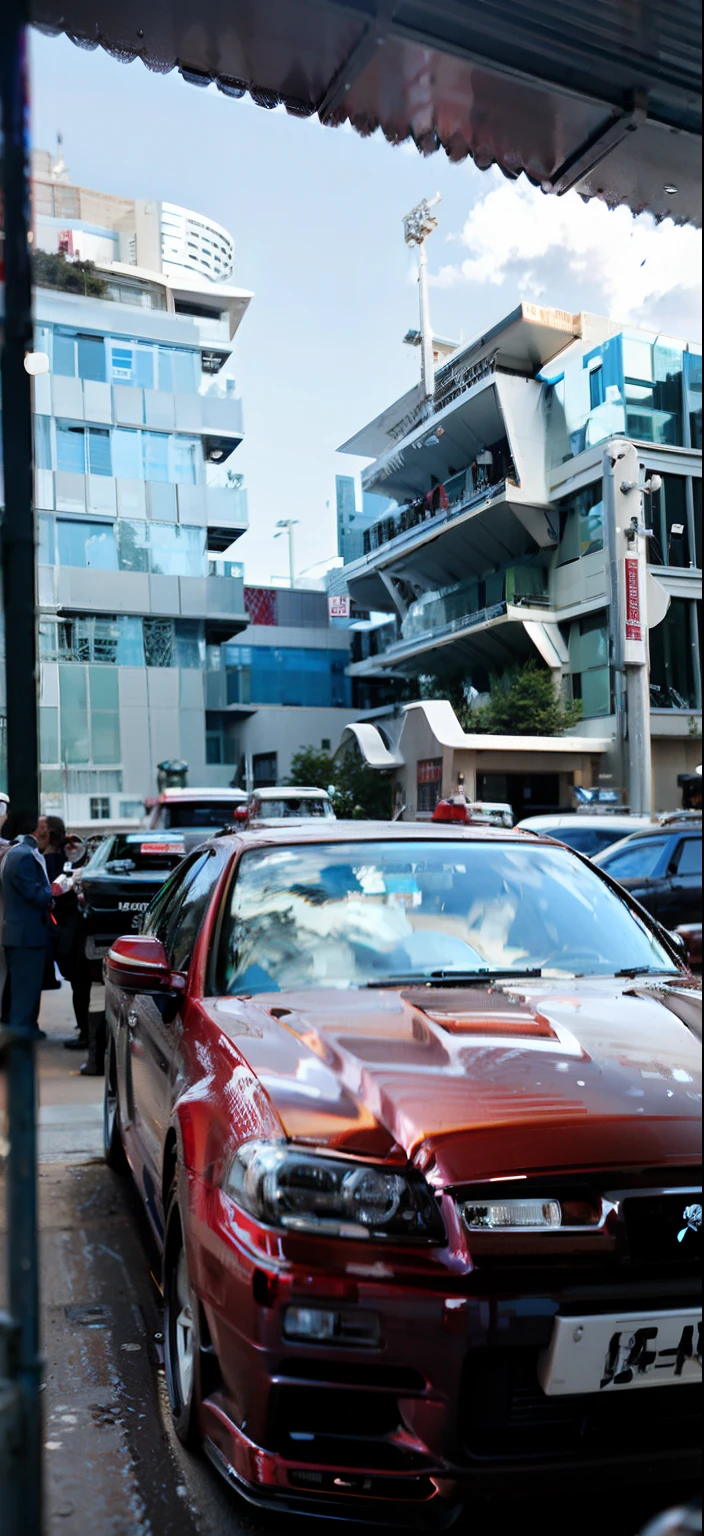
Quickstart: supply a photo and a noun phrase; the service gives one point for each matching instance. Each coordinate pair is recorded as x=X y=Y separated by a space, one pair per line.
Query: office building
x=498 y=548
x=136 y=424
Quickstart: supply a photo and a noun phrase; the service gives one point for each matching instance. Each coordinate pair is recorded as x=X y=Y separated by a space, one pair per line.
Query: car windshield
x=145 y=852
x=586 y=839
x=289 y=806
x=198 y=813
x=634 y=861
x=358 y=914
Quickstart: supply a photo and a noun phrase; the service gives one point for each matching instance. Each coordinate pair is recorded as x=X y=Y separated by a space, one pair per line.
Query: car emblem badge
x=692 y=1217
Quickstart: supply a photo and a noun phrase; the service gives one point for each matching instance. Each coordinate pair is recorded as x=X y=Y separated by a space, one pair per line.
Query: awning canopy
x=601 y=96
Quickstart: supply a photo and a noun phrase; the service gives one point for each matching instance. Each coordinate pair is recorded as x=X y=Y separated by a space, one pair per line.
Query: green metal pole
x=19 y=599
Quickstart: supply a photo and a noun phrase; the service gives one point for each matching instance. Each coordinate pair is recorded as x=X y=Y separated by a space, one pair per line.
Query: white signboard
x=339 y=607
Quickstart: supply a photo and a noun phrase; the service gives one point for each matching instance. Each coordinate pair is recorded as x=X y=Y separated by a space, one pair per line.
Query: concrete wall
x=277 y=728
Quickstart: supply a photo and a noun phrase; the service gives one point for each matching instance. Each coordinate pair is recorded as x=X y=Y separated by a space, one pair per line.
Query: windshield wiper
x=451 y=978
x=647 y=970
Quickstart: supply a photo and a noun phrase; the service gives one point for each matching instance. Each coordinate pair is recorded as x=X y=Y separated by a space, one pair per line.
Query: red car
x=414 y=1112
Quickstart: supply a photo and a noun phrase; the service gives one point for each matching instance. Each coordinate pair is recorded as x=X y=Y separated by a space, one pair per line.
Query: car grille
x=504 y=1414
x=664 y=1229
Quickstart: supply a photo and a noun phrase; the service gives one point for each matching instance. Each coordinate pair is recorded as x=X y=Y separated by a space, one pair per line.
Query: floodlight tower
x=417 y=225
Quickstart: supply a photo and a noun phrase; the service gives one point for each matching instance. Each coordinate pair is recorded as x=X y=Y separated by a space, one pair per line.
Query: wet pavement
x=113 y=1466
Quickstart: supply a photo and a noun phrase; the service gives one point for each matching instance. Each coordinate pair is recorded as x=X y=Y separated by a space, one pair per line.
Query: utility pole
x=287 y=525
x=417 y=225
x=20 y=1412
x=627 y=541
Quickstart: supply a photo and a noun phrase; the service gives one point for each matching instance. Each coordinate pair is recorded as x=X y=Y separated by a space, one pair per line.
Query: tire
x=182 y=1349
x=113 y=1150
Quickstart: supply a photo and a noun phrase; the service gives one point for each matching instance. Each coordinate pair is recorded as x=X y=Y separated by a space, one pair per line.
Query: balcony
x=227 y=515
x=455 y=615
x=458 y=494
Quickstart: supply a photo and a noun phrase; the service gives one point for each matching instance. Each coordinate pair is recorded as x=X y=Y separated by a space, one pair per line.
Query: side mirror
x=679 y=944
x=141 y=965
x=241 y=815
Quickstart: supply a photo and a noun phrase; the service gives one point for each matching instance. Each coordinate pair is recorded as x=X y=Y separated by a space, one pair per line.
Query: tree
x=358 y=792
x=523 y=702
x=51 y=270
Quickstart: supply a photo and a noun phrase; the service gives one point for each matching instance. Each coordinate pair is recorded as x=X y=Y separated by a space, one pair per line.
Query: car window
x=158 y=916
x=637 y=861
x=186 y=925
x=357 y=914
x=585 y=839
x=689 y=861
x=199 y=813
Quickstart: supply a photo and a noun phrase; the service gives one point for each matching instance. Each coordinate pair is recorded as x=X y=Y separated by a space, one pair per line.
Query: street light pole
x=287 y=525
x=417 y=225
x=20 y=1413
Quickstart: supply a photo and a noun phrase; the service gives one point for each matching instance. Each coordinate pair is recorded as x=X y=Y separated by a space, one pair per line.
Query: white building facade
x=498 y=549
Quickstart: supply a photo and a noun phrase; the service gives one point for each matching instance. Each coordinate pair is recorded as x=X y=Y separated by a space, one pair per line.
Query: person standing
x=27 y=899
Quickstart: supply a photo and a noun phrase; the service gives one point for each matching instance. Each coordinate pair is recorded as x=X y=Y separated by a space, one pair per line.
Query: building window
x=666 y=515
x=127 y=453
x=581 y=524
x=73 y=696
x=87 y=545
x=597 y=392
x=91 y=358
x=589 y=664
x=100 y=807
x=264 y=769
x=131 y=808
x=104 y=715
x=697 y=490
x=48 y=734
x=653 y=375
x=672 y=658
x=159 y=642
x=429 y=781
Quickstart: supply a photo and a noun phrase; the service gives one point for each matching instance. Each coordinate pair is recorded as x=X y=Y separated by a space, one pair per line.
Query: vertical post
x=19 y=597
x=623 y=499
x=427 y=368
x=291 y=561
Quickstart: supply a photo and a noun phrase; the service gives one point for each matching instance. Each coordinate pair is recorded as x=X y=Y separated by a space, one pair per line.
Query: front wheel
x=181 y=1332
x=113 y=1150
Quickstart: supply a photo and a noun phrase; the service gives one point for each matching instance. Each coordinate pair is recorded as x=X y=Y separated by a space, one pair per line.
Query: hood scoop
x=493 y=1014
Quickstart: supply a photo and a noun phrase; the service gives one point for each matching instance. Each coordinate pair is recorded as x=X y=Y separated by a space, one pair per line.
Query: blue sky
x=316 y=215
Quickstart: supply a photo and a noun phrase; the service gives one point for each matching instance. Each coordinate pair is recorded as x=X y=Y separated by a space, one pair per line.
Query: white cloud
x=578 y=255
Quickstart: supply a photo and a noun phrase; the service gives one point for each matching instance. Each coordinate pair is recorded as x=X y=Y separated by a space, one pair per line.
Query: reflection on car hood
x=481 y=1081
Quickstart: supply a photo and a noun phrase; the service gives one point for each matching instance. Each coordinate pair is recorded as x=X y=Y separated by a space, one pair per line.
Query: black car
x=114 y=889
x=662 y=868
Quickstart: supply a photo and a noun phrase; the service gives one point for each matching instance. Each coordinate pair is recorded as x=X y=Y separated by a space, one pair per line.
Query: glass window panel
x=73 y=695
x=64 y=359
x=47 y=639
x=159 y=648
x=185 y=458
x=165 y=368
x=596 y=692
x=184 y=372
x=190 y=643
x=597 y=392
x=48 y=734
x=42 y=442
x=690 y=860
x=637 y=359
x=595 y=641
x=127 y=453
x=46 y=554
x=103 y=688
x=133 y=545
x=697 y=488
x=91 y=358
x=693 y=386
x=121 y=363
x=672 y=684
x=70 y=449
x=130 y=643
x=156 y=455
x=87 y=544
x=144 y=367
x=638 y=861
x=669 y=515
x=105 y=732
x=99 y=458
x=177 y=550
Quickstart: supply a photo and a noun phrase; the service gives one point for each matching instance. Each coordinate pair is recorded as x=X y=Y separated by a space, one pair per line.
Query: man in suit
x=27 y=899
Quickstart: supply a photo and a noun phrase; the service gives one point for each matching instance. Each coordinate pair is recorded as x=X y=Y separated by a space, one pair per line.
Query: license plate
x=618 y=1351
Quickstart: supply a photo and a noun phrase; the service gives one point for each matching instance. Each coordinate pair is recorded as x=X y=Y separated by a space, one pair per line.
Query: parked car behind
x=413 y=1111
x=114 y=889
x=195 y=813
x=662 y=867
x=277 y=803
x=589 y=834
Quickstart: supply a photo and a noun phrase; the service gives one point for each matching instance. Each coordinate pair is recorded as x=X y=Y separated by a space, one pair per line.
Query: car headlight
x=332 y=1197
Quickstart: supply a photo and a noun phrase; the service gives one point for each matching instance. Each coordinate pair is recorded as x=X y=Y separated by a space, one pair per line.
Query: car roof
x=379 y=831
x=200 y=794
x=577 y=819
x=670 y=829
x=289 y=792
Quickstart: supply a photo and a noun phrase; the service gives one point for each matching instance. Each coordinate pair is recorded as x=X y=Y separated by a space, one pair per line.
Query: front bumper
x=450 y=1401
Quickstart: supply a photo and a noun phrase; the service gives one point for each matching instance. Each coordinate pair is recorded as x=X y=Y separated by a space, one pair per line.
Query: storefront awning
x=600 y=96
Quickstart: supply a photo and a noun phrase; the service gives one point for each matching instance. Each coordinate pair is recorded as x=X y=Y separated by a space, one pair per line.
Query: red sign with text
x=633 y=624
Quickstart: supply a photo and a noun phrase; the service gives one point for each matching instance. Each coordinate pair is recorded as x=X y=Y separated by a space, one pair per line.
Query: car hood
x=483 y=1081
